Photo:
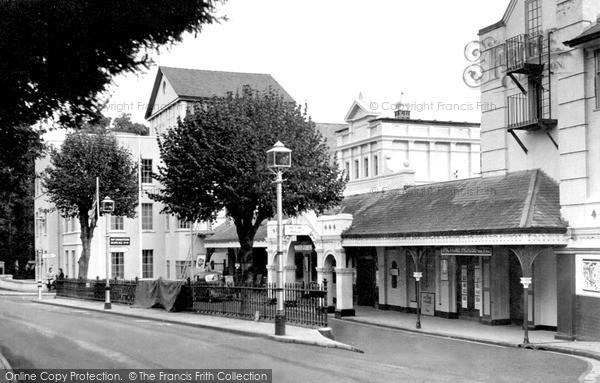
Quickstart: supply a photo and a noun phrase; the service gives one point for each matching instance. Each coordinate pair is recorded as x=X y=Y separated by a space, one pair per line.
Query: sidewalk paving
x=293 y=334
x=509 y=335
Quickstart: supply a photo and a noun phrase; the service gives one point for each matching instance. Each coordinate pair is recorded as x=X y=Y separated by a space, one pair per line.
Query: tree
x=70 y=181
x=215 y=159
x=59 y=55
x=123 y=123
x=17 y=175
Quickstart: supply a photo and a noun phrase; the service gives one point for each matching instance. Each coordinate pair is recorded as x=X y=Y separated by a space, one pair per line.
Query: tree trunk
x=87 y=233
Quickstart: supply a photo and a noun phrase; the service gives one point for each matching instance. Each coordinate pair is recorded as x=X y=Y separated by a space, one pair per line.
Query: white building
x=541 y=66
x=159 y=245
x=379 y=152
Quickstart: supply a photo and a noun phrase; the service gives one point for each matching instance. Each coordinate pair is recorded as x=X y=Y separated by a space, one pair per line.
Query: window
x=356 y=170
x=180 y=267
x=597 y=77
x=347 y=169
x=147 y=263
x=533 y=12
x=167 y=222
x=366 y=167
x=73 y=264
x=117 y=265
x=375 y=165
x=117 y=222
x=168 y=269
x=181 y=224
x=146 y=171
x=146 y=216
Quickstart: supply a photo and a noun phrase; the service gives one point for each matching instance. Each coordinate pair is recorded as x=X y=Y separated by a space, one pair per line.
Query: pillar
x=327 y=273
x=344 y=304
x=289 y=274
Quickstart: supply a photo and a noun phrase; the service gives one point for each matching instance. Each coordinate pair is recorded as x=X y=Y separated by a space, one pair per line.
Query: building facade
x=153 y=244
x=377 y=152
x=541 y=71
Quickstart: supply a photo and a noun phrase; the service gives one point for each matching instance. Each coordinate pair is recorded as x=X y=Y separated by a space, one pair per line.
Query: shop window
x=394 y=273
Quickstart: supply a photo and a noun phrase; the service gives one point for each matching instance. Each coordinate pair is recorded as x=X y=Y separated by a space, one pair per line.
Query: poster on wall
x=477 y=272
x=428 y=304
x=463 y=287
x=591 y=275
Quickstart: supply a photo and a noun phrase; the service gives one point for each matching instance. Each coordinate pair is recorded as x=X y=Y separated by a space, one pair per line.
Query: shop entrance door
x=366 y=289
x=468 y=287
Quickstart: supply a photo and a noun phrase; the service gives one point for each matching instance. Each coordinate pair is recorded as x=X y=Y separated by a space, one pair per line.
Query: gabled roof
x=503 y=21
x=226 y=233
x=195 y=84
x=361 y=105
x=591 y=34
x=526 y=201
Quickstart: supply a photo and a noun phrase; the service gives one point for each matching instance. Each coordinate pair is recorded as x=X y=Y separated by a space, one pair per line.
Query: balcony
x=524 y=55
x=530 y=111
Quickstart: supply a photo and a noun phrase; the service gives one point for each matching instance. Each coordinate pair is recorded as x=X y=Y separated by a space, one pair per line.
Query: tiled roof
x=526 y=201
x=226 y=233
x=207 y=83
x=199 y=84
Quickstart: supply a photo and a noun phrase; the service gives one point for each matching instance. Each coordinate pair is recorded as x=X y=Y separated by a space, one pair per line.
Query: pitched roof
x=226 y=233
x=526 y=201
x=202 y=84
x=590 y=34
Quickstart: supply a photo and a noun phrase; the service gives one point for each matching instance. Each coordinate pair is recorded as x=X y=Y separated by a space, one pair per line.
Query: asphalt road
x=42 y=336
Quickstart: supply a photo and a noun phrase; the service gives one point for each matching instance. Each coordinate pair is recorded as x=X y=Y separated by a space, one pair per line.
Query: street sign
x=296 y=230
x=120 y=241
x=47 y=255
x=119 y=249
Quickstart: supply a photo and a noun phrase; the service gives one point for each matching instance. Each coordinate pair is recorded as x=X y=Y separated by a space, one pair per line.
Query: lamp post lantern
x=108 y=206
x=279 y=158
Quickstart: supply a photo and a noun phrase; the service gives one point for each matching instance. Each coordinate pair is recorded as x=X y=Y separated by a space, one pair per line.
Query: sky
x=326 y=52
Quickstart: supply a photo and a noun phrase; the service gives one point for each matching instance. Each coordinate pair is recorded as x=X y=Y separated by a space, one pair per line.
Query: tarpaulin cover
x=157 y=292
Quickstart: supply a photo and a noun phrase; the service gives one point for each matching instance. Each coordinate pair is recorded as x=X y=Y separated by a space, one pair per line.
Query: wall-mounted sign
x=296 y=230
x=591 y=275
x=48 y=255
x=428 y=304
x=444 y=270
x=303 y=247
x=120 y=241
x=477 y=251
x=119 y=249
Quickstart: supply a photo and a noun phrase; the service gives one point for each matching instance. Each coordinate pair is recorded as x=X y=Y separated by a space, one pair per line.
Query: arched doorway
x=305 y=259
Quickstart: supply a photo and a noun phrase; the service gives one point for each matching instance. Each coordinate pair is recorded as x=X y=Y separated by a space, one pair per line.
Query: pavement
x=508 y=336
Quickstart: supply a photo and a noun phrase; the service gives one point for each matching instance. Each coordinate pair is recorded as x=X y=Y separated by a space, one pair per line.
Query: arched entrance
x=304 y=259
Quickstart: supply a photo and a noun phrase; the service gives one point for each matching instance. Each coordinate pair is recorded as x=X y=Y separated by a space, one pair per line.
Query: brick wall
x=587 y=318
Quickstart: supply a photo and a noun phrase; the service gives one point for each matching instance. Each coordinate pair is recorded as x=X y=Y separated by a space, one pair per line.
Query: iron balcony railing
x=529 y=111
x=522 y=50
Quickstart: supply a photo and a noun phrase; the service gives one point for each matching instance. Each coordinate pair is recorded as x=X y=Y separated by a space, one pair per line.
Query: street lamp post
x=38 y=256
x=107 y=206
x=278 y=158
x=418 y=275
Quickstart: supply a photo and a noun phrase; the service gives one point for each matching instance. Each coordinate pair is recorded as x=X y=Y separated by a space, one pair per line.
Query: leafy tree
x=17 y=176
x=123 y=123
x=59 y=55
x=216 y=159
x=70 y=181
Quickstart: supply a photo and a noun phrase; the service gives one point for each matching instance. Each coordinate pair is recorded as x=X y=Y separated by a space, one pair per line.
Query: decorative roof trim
x=231 y=244
x=427 y=122
x=547 y=239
